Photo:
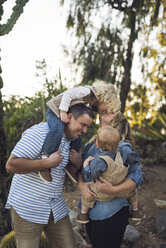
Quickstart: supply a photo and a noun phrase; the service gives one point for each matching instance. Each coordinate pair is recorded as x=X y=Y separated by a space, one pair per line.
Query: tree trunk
x=126 y=82
x=5 y=226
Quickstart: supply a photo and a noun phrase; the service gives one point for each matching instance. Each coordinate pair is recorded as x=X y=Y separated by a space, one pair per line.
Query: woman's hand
x=86 y=192
x=76 y=158
x=87 y=161
x=125 y=187
x=104 y=186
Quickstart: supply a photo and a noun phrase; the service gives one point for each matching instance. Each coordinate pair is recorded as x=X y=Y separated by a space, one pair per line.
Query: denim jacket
x=103 y=210
x=98 y=165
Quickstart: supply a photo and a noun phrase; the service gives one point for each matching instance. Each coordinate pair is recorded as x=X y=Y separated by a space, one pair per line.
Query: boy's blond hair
x=107 y=138
x=108 y=94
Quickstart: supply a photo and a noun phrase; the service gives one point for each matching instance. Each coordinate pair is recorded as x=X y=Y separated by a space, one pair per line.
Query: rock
x=160 y=203
x=131 y=234
x=163 y=246
x=163 y=145
x=80 y=242
x=72 y=216
x=161 y=224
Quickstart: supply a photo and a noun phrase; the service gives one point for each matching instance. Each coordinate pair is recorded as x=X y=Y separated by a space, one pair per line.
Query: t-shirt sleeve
x=30 y=144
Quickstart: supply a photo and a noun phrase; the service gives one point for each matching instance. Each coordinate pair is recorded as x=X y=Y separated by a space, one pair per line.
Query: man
x=35 y=205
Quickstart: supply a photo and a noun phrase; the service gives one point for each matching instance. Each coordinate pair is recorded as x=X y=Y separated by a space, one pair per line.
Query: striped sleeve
x=30 y=143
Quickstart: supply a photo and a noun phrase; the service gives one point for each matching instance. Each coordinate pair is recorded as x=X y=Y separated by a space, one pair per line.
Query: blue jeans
x=54 y=136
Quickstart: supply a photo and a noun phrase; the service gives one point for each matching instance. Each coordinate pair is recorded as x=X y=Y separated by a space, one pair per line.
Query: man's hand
x=76 y=158
x=55 y=159
x=64 y=117
x=87 y=161
x=26 y=165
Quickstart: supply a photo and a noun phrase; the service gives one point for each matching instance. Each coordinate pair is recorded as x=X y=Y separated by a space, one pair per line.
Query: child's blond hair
x=108 y=94
x=108 y=138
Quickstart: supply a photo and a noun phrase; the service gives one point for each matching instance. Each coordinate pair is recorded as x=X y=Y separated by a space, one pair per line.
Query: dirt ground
x=152 y=188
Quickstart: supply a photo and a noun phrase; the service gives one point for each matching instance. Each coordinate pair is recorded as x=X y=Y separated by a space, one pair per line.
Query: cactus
x=8 y=241
x=17 y=11
x=5 y=29
x=43 y=241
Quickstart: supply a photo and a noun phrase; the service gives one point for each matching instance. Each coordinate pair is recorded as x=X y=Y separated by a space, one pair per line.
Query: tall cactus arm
x=2 y=1
x=17 y=11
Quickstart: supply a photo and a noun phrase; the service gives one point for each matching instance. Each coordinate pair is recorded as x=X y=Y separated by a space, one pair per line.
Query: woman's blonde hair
x=121 y=124
x=108 y=94
x=107 y=138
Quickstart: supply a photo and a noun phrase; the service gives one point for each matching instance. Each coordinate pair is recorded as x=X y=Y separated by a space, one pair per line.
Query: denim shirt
x=103 y=210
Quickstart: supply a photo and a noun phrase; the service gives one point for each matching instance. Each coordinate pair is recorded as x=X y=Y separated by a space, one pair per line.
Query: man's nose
x=84 y=130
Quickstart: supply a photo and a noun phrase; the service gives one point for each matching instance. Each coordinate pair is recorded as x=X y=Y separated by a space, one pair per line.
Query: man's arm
x=26 y=165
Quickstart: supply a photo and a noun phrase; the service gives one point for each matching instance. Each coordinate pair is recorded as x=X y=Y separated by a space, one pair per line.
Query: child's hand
x=64 y=116
x=87 y=161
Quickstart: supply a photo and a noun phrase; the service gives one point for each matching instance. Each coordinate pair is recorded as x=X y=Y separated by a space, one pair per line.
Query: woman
x=108 y=220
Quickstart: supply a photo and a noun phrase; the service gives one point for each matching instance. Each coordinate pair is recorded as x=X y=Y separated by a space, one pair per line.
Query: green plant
x=156 y=130
x=8 y=241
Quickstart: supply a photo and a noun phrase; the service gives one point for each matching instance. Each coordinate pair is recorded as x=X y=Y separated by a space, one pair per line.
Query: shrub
x=152 y=152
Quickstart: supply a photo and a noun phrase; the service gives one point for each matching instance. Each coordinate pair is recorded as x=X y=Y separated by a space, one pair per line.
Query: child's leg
x=54 y=136
x=133 y=199
x=83 y=217
x=84 y=209
x=71 y=170
x=83 y=214
x=76 y=144
x=134 y=205
x=52 y=141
